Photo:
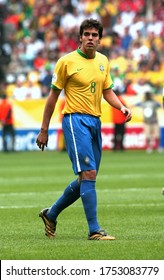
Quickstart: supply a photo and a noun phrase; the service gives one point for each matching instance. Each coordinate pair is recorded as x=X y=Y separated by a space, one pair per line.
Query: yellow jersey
x=83 y=81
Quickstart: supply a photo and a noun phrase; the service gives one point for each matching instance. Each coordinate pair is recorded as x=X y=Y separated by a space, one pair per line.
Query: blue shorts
x=83 y=141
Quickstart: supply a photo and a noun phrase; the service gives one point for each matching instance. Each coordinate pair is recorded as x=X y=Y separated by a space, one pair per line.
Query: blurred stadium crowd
x=34 y=34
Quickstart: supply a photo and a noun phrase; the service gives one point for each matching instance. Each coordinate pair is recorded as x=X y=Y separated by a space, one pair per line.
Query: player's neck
x=89 y=53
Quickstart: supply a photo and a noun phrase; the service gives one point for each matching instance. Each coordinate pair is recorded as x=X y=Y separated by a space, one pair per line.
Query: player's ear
x=80 y=39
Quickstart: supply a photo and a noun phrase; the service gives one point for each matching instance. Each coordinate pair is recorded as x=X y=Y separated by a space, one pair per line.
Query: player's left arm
x=113 y=100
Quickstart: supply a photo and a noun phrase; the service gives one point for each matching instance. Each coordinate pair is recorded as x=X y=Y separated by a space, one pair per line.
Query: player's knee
x=88 y=175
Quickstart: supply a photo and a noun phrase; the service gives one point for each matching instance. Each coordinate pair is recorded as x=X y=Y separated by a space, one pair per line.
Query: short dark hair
x=91 y=23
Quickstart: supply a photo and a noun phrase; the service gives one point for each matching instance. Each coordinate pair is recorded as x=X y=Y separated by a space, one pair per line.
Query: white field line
x=59 y=192
x=29 y=194
x=39 y=179
x=45 y=194
x=26 y=194
x=77 y=206
x=116 y=176
x=127 y=176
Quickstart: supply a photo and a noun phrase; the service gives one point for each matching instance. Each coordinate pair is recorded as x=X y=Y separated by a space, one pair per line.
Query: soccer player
x=84 y=76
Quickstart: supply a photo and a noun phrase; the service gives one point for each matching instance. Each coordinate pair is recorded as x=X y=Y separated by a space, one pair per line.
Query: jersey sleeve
x=108 y=81
x=60 y=75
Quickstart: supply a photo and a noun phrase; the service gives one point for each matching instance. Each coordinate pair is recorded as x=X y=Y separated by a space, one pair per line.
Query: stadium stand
x=34 y=34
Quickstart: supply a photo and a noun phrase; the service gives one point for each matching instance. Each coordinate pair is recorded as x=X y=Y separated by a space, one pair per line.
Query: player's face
x=89 y=40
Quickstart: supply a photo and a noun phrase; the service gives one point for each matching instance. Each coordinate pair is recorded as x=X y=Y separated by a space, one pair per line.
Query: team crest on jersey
x=54 y=78
x=101 y=68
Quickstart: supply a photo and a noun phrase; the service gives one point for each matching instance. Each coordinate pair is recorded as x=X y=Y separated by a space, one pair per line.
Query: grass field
x=130 y=207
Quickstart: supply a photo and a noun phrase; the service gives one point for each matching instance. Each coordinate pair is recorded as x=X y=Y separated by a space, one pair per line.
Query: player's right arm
x=42 y=138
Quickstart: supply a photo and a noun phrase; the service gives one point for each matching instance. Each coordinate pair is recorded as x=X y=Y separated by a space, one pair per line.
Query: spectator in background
x=126 y=39
x=151 y=123
x=127 y=15
x=155 y=26
x=20 y=88
x=40 y=60
x=137 y=27
x=45 y=80
x=141 y=86
x=33 y=46
x=33 y=88
x=7 y=122
x=118 y=27
x=118 y=119
x=68 y=42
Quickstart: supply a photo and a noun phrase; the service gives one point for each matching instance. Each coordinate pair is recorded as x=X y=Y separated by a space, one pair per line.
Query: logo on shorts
x=86 y=160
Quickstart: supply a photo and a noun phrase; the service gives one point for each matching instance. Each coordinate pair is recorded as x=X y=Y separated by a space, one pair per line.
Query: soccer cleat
x=100 y=235
x=50 y=226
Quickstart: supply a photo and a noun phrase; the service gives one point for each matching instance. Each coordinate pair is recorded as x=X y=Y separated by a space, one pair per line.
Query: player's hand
x=42 y=139
x=127 y=112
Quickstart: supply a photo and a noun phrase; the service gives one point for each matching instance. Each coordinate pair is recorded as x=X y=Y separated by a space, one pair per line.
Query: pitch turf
x=130 y=207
